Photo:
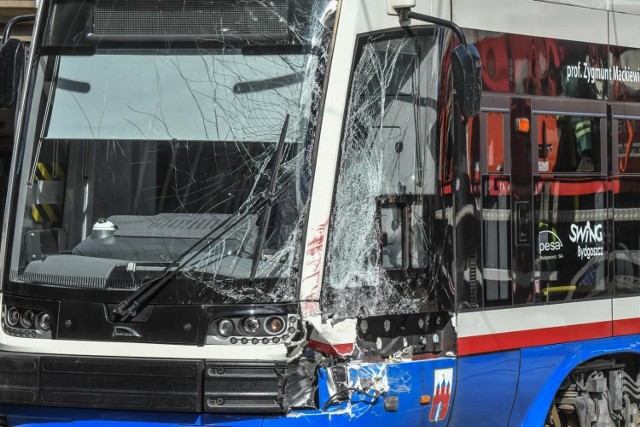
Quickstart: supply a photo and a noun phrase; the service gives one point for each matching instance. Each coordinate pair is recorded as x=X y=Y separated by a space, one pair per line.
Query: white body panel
x=532 y=317
x=626 y=308
x=533 y=18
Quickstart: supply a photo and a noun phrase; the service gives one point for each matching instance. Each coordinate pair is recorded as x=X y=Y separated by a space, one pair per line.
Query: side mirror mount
x=467 y=78
x=466 y=63
x=12 y=59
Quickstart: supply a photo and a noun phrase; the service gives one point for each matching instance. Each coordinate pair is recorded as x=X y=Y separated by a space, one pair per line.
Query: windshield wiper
x=266 y=215
x=129 y=307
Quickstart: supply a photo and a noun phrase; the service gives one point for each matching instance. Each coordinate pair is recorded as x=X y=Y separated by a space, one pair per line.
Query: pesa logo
x=548 y=241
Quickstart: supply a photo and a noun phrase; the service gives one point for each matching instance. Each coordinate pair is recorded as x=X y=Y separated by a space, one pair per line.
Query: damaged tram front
x=225 y=207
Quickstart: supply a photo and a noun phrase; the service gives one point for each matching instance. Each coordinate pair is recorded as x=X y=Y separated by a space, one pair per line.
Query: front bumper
x=144 y=384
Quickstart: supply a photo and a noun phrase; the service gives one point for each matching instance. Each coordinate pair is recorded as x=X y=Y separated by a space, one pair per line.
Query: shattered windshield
x=390 y=243
x=137 y=149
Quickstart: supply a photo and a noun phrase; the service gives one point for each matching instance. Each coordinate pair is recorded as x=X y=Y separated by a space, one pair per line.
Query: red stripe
x=573 y=188
x=626 y=326
x=533 y=338
x=500 y=186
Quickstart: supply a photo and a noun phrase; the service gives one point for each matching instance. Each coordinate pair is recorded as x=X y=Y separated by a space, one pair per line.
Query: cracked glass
x=156 y=124
x=390 y=238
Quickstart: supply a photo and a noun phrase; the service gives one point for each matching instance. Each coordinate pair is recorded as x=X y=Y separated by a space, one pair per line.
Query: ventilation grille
x=78 y=282
x=189 y=17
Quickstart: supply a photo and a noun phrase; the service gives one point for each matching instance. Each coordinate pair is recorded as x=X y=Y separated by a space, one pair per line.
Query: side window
x=390 y=244
x=495 y=123
x=568 y=143
x=626 y=199
x=628 y=147
x=571 y=202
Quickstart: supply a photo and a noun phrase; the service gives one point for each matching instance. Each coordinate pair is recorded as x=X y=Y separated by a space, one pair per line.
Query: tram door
x=507 y=213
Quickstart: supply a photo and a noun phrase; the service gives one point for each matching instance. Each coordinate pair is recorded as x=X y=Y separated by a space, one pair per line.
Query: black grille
x=245 y=387
x=189 y=17
x=85 y=382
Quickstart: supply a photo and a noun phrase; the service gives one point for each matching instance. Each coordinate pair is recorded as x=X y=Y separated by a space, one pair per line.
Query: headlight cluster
x=252 y=329
x=26 y=322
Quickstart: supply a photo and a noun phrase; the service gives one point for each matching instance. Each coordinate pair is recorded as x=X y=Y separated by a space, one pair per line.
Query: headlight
x=251 y=325
x=274 y=325
x=13 y=316
x=225 y=327
x=26 y=322
x=27 y=318
x=43 y=322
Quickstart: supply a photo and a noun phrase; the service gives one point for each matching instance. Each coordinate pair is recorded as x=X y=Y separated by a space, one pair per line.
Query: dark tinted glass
x=627 y=236
x=628 y=146
x=568 y=143
x=496 y=225
x=571 y=239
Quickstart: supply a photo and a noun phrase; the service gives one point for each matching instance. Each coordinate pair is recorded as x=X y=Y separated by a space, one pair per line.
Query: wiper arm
x=266 y=215
x=129 y=307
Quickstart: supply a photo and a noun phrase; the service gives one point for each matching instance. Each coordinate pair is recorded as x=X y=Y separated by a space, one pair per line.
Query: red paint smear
x=533 y=338
x=315 y=245
x=339 y=350
x=314 y=248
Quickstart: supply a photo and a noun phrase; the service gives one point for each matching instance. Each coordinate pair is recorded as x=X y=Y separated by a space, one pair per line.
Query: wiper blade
x=266 y=215
x=129 y=307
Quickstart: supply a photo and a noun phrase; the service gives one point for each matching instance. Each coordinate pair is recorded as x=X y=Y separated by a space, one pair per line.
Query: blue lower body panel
x=544 y=368
x=408 y=381
x=486 y=389
x=516 y=388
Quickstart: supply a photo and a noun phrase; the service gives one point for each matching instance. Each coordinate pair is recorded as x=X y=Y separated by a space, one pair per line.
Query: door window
x=568 y=143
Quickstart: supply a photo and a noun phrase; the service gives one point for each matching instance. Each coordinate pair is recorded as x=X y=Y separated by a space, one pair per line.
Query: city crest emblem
x=442 y=383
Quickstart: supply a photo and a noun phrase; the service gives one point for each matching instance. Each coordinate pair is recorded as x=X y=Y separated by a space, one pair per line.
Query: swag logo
x=587 y=234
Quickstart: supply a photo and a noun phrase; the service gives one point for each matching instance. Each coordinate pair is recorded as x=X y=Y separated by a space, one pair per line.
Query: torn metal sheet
x=333 y=338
